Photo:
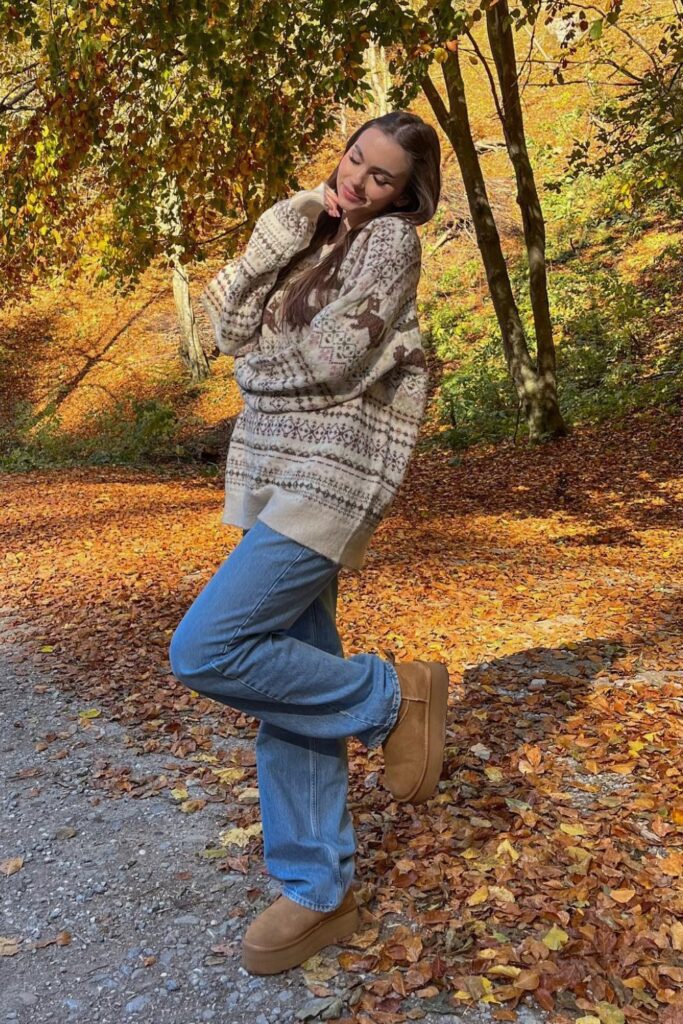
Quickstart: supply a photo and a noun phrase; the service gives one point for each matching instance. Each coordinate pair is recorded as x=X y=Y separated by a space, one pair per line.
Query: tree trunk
x=456 y=124
x=503 y=51
x=373 y=58
x=191 y=351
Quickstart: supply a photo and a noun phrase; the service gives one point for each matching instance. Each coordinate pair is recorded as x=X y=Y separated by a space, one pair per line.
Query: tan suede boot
x=414 y=749
x=286 y=933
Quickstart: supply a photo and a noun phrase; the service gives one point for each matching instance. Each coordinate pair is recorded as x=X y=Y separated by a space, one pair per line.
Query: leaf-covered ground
x=548 y=866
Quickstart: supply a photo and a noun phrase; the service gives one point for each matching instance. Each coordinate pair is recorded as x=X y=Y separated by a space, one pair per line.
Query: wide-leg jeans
x=262 y=637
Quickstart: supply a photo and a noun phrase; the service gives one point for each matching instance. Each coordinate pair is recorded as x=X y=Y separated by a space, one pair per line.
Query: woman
x=320 y=316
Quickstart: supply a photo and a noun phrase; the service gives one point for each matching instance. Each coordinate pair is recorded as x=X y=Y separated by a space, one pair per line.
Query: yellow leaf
x=240 y=836
x=493 y=773
x=582 y=859
x=507 y=847
x=676 y=930
x=572 y=830
x=555 y=938
x=180 y=793
x=47 y=649
x=590 y=1019
x=228 y=775
x=609 y=1014
x=480 y=895
x=90 y=713
x=488 y=953
x=499 y=892
x=208 y=758
x=677 y=815
x=635 y=747
x=505 y=971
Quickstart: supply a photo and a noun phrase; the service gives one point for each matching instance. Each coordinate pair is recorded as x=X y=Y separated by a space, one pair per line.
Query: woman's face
x=371 y=175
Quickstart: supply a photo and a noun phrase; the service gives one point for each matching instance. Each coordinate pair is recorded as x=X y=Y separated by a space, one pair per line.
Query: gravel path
x=114 y=910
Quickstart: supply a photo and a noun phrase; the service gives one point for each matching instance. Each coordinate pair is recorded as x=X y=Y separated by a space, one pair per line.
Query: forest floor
x=541 y=883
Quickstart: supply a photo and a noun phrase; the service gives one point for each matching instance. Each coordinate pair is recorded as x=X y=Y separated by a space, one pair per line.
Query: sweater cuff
x=309 y=202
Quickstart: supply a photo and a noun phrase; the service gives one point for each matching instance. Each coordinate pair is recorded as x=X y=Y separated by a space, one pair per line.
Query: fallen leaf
x=572 y=830
x=240 y=836
x=527 y=981
x=622 y=895
x=505 y=971
x=190 y=806
x=609 y=1014
x=479 y=895
x=555 y=938
x=499 y=892
x=249 y=795
x=506 y=848
x=11 y=865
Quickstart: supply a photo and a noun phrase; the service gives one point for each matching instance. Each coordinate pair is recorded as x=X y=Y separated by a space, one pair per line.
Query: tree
x=115 y=115
x=635 y=56
x=153 y=114
x=534 y=379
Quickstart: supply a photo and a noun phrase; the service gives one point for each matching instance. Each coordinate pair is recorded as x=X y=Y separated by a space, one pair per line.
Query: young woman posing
x=320 y=316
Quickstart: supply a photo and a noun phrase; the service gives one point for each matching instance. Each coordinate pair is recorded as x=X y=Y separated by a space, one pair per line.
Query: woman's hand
x=332 y=202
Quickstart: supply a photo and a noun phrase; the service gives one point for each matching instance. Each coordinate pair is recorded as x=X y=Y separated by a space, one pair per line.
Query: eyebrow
x=388 y=173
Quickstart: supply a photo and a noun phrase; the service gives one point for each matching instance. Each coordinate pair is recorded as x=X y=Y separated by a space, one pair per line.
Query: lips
x=351 y=195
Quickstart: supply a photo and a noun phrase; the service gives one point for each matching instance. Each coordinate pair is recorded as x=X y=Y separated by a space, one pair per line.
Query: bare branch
x=492 y=84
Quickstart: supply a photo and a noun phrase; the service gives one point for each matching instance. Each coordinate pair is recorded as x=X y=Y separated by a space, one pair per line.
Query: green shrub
x=132 y=431
x=610 y=360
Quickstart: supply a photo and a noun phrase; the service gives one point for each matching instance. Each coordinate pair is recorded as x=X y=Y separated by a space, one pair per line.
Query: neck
x=347 y=224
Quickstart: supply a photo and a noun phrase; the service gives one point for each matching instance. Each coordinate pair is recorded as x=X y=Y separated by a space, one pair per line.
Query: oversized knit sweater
x=331 y=410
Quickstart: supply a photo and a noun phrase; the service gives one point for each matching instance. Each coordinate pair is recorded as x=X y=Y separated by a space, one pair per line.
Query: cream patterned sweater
x=332 y=410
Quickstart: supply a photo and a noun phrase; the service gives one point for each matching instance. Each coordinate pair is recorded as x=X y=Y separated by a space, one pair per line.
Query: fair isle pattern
x=332 y=410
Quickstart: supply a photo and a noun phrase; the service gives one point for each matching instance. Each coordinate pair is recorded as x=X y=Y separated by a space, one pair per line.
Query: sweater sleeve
x=368 y=336
x=234 y=298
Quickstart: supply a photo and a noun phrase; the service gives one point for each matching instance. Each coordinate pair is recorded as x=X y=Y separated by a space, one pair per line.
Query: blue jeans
x=261 y=637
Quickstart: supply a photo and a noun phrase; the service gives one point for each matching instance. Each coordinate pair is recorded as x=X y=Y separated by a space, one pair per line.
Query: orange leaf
x=622 y=895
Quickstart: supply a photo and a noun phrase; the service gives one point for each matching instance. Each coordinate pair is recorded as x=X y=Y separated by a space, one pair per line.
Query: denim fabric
x=261 y=637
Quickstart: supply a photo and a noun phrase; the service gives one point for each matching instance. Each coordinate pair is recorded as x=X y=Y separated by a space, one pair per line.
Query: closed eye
x=376 y=178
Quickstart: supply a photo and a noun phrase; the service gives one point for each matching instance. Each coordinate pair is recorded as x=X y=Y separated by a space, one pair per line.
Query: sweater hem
x=302 y=521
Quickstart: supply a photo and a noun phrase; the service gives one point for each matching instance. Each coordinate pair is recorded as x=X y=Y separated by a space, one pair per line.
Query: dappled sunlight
x=547 y=578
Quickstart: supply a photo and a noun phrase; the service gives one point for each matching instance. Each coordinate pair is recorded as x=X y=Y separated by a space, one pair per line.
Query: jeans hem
x=310 y=904
x=378 y=736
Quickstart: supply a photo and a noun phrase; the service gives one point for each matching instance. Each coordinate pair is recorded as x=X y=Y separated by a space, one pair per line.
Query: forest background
x=539 y=539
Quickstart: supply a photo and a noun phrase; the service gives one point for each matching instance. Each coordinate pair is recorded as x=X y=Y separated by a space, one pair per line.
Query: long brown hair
x=421 y=143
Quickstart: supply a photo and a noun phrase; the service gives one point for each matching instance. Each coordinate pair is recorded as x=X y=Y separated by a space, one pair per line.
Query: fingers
x=332 y=202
